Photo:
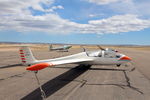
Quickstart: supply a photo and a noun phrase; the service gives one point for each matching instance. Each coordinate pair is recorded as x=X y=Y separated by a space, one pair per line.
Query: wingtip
x=37 y=67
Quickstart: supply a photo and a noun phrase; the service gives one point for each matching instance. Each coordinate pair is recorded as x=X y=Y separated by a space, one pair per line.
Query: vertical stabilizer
x=50 y=47
x=26 y=55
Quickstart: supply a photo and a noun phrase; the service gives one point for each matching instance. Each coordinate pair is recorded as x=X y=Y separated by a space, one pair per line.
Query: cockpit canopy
x=95 y=53
x=102 y=53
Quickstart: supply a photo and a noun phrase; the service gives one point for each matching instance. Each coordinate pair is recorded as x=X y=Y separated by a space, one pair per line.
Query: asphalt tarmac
x=74 y=82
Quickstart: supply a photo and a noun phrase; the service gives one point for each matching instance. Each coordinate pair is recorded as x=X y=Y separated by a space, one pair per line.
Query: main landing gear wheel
x=118 y=65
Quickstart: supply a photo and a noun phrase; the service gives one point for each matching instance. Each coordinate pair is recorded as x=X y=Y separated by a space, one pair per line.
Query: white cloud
x=125 y=7
x=143 y=7
x=96 y=15
x=21 y=6
x=15 y=15
x=58 y=7
x=52 y=23
x=120 y=23
x=120 y=6
x=102 y=2
x=54 y=8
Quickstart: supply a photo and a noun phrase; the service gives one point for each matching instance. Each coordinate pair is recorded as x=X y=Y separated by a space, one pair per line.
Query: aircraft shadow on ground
x=57 y=83
x=7 y=66
x=107 y=69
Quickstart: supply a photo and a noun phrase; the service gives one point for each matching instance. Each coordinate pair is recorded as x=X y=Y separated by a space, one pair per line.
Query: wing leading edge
x=43 y=65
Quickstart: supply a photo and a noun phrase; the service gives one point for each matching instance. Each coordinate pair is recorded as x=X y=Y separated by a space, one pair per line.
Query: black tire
x=118 y=65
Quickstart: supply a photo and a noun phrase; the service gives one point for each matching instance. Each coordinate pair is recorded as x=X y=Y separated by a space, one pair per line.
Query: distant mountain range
x=71 y=44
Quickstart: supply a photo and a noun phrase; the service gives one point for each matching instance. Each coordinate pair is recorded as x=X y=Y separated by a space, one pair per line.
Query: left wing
x=43 y=65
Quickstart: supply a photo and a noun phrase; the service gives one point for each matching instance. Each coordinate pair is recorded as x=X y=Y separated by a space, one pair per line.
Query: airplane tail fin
x=50 y=47
x=26 y=55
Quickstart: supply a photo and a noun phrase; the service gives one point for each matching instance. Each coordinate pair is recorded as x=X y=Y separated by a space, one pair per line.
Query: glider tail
x=50 y=47
x=26 y=55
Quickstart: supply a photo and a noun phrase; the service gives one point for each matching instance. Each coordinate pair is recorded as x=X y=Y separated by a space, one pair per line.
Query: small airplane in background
x=86 y=58
x=62 y=48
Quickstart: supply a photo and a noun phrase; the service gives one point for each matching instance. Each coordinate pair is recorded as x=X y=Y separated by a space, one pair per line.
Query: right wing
x=43 y=65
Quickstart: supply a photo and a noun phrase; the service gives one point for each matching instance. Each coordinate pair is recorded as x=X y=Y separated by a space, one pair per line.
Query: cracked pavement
x=73 y=82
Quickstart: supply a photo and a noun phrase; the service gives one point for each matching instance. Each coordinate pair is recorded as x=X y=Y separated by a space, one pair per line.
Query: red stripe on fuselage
x=24 y=61
x=22 y=56
x=21 y=50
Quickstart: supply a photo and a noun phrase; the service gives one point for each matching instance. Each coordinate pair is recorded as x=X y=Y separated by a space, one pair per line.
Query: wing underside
x=43 y=65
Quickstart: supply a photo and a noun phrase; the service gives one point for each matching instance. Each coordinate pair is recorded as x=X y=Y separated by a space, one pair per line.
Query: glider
x=62 y=48
x=86 y=58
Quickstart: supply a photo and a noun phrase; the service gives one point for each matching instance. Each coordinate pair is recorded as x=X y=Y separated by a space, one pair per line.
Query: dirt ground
x=73 y=82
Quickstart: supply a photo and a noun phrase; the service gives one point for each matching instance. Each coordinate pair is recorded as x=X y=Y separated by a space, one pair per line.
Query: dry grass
x=12 y=47
x=141 y=48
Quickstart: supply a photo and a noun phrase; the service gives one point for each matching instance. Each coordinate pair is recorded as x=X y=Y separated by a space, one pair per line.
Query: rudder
x=26 y=55
x=50 y=47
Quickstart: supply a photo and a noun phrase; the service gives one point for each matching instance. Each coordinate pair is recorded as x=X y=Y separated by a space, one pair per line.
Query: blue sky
x=75 y=21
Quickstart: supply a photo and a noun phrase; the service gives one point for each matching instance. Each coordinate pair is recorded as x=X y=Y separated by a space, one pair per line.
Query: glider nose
x=125 y=58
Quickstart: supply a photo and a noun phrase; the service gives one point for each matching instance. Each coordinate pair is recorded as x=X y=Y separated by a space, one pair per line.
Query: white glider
x=100 y=57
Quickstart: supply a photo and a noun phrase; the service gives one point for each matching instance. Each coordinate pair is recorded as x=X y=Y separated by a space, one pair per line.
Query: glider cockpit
x=105 y=54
